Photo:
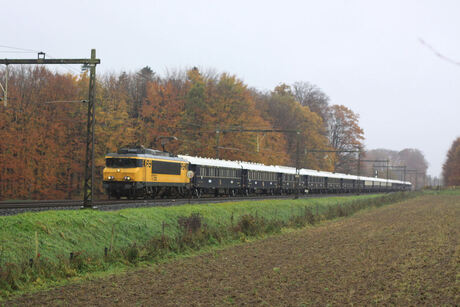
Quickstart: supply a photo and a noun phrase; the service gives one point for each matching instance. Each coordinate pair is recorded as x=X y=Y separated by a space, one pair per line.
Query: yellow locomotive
x=141 y=172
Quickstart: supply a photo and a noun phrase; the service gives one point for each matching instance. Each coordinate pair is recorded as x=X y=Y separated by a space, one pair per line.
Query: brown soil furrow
x=403 y=254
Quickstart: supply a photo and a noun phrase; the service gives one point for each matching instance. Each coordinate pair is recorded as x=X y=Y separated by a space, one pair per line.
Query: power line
x=17 y=48
x=66 y=66
x=17 y=52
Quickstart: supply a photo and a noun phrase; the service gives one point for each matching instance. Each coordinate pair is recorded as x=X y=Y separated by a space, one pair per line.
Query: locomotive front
x=123 y=175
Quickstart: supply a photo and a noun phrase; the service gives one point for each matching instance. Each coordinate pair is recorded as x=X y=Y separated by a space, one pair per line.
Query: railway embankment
x=40 y=249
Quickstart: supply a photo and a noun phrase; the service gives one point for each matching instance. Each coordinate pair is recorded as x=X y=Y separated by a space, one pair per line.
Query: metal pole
x=388 y=172
x=5 y=103
x=217 y=143
x=297 y=164
x=388 y=169
x=89 y=159
x=359 y=171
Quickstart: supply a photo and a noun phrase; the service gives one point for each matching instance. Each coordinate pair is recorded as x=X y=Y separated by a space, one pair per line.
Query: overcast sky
x=363 y=54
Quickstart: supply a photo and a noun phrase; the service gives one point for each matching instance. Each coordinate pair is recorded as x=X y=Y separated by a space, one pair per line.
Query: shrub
x=132 y=253
x=250 y=225
x=191 y=223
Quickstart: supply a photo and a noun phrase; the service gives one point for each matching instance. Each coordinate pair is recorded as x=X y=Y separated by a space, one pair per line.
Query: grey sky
x=364 y=54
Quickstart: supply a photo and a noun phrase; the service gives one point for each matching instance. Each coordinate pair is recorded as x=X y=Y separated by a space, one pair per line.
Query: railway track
x=11 y=208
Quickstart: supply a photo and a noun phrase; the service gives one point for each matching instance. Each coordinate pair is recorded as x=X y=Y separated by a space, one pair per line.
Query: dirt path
x=403 y=254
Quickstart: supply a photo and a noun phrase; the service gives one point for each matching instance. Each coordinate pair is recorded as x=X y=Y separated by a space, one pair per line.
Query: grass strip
x=55 y=245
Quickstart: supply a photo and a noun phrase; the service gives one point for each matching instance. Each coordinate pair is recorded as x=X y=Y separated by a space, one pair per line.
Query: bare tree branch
x=437 y=53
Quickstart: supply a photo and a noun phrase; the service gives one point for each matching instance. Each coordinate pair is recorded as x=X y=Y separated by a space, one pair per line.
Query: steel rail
x=100 y=204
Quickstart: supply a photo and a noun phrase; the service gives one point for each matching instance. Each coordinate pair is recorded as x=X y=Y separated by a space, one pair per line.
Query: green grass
x=148 y=234
x=61 y=232
x=443 y=191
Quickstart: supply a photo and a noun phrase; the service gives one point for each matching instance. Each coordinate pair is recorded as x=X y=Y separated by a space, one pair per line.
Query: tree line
x=43 y=126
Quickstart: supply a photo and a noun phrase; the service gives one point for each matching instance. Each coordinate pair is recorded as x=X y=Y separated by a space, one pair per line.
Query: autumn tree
x=36 y=125
x=344 y=134
x=310 y=95
x=451 y=168
x=162 y=112
x=284 y=112
x=218 y=102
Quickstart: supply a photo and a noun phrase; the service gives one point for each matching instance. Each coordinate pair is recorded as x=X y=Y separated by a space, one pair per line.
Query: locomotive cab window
x=167 y=168
x=123 y=162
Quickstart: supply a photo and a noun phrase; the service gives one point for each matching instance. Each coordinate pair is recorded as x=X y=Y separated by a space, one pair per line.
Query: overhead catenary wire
x=16 y=51
x=18 y=48
x=27 y=50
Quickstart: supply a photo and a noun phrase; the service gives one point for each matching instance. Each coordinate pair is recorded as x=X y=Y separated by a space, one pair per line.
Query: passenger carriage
x=260 y=179
x=212 y=176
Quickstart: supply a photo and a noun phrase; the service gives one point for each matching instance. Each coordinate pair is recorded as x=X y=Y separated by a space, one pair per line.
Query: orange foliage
x=451 y=168
x=43 y=144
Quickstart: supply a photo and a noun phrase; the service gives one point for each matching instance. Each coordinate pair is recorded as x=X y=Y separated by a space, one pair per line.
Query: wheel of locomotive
x=145 y=193
x=154 y=192
x=196 y=193
x=182 y=191
x=114 y=195
x=130 y=195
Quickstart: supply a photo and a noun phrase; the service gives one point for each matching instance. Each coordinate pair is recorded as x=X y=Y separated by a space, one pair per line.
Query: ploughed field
x=402 y=254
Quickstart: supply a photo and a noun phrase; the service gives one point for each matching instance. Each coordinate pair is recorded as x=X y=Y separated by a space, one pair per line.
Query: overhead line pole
x=88 y=187
x=241 y=129
x=401 y=168
x=350 y=151
x=416 y=172
x=5 y=89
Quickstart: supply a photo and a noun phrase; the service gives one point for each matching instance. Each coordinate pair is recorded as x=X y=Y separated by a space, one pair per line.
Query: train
x=138 y=172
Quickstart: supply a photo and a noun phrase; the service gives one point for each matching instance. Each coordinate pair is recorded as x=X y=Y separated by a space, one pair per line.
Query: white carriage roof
x=286 y=170
x=279 y=169
x=261 y=167
x=210 y=162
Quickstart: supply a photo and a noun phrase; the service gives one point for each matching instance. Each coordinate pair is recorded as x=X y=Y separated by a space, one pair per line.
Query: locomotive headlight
x=127 y=178
x=110 y=178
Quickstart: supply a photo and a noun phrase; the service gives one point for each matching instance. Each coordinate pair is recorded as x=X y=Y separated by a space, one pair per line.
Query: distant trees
x=451 y=168
x=412 y=158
